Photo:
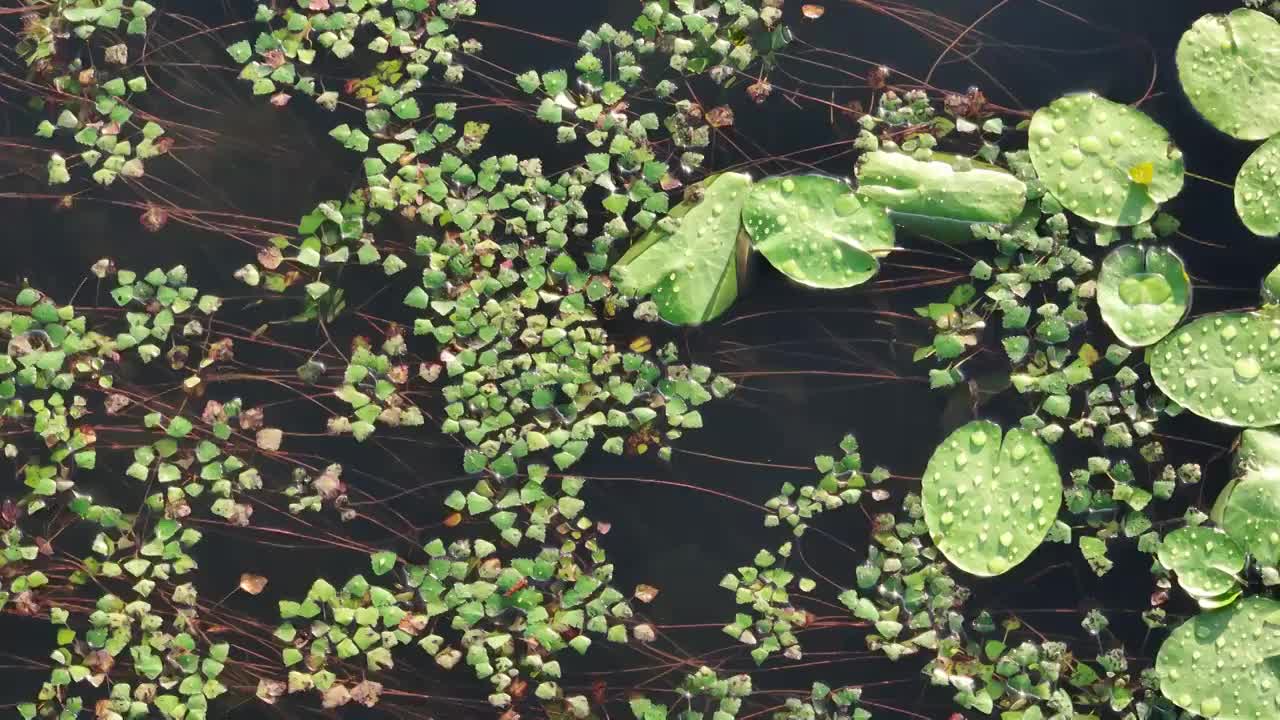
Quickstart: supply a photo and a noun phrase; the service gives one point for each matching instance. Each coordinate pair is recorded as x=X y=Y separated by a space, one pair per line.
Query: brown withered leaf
x=252 y=584
x=646 y=593
x=719 y=117
x=812 y=11
x=269 y=439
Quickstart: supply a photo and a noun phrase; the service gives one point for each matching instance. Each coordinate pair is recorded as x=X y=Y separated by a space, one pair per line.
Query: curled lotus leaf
x=1225 y=664
x=692 y=274
x=943 y=196
x=1206 y=561
x=1257 y=190
x=988 y=503
x=1143 y=293
x=1104 y=161
x=1229 y=66
x=1248 y=508
x=1223 y=367
x=817 y=231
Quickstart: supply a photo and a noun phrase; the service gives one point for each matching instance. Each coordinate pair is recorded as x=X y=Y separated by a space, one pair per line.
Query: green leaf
x=1229 y=67
x=1143 y=293
x=691 y=274
x=1205 y=560
x=382 y=562
x=1104 y=161
x=817 y=231
x=939 y=193
x=988 y=504
x=1255 y=190
x=1248 y=508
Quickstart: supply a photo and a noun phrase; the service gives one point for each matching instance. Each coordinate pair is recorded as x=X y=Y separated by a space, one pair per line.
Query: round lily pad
x=989 y=504
x=944 y=190
x=1205 y=560
x=691 y=274
x=1224 y=367
x=1143 y=293
x=1248 y=508
x=1257 y=190
x=817 y=231
x=1224 y=664
x=1104 y=161
x=1229 y=66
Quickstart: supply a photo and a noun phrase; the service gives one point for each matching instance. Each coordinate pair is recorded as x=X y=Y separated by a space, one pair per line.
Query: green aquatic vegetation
x=1207 y=562
x=1255 y=190
x=817 y=231
x=988 y=501
x=1229 y=67
x=1221 y=664
x=1103 y=161
x=940 y=191
x=1143 y=293
x=1248 y=508
x=693 y=273
x=1219 y=367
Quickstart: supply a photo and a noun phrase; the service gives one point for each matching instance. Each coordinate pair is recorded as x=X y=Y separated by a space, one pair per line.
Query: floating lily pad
x=1248 y=508
x=693 y=273
x=1223 y=367
x=1257 y=190
x=1105 y=162
x=1229 y=66
x=1225 y=664
x=817 y=231
x=941 y=197
x=1205 y=560
x=989 y=504
x=1143 y=293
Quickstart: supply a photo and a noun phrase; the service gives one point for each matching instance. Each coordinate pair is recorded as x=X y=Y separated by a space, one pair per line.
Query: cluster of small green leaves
x=771 y=619
x=1042 y=680
x=93 y=89
x=56 y=374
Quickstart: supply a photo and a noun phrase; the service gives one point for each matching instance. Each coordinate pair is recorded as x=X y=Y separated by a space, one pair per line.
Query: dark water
x=278 y=164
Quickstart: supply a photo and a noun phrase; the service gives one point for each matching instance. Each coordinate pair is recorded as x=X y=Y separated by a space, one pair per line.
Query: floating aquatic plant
x=1256 y=187
x=1248 y=508
x=1103 y=161
x=988 y=501
x=693 y=272
x=1221 y=664
x=816 y=230
x=1229 y=67
x=1143 y=292
x=943 y=195
x=1222 y=367
x=1207 y=563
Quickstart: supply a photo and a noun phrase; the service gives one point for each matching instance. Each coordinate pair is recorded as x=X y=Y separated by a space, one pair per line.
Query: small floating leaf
x=252 y=584
x=1229 y=67
x=1143 y=293
x=692 y=274
x=1248 y=509
x=1257 y=188
x=989 y=504
x=1222 y=664
x=1084 y=147
x=817 y=231
x=1205 y=560
x=1222 y=367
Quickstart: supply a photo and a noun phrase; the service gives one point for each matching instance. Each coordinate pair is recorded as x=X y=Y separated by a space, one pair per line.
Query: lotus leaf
x=1229 y=66
x=1256 y=190
x=943 y=196
x=692 y=273
x=817 y=231
x=1105 y=162
x=1205 y=559
x=1248 y=509
x=989 y=504
x=1143 y=293
x=1223 y=367
x=1225 y=664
